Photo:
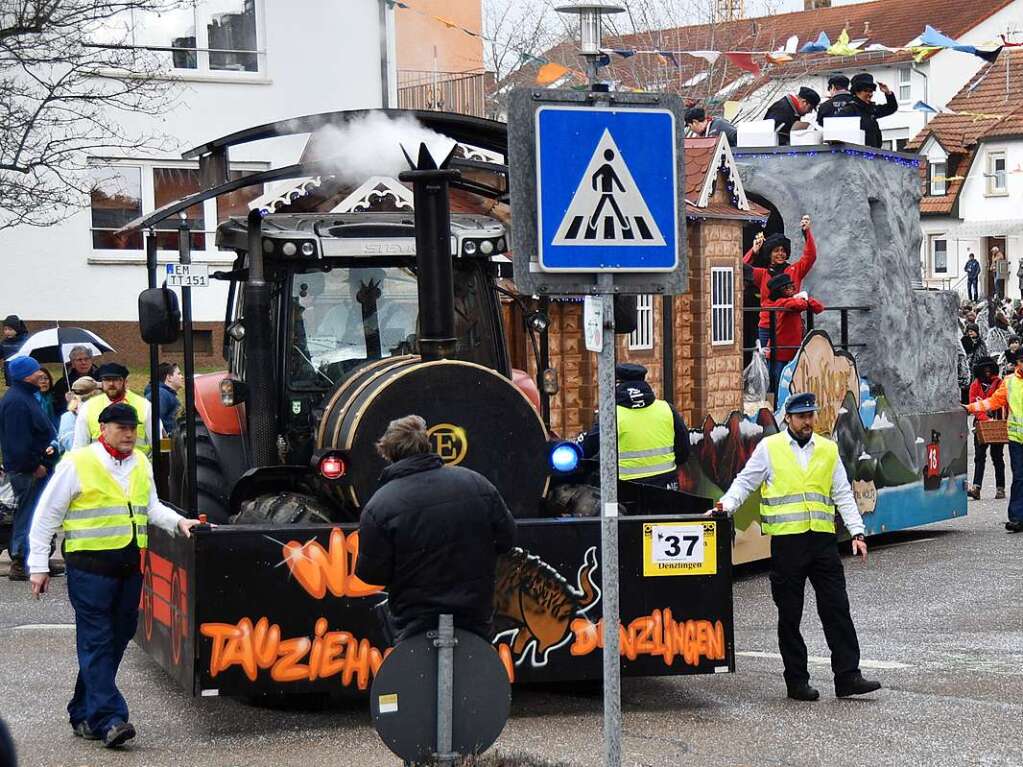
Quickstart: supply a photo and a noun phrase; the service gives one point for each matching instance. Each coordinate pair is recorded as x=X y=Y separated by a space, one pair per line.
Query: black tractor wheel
x=284 y=508
x=214 y=492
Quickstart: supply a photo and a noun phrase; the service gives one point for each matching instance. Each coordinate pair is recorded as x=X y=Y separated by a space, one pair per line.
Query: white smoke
x=372 y=146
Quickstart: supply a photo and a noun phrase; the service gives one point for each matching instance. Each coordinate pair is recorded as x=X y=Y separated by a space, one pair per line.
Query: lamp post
x=590 y=21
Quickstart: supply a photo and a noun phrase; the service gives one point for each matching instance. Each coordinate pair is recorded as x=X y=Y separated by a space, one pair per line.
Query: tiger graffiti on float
x=537 y=613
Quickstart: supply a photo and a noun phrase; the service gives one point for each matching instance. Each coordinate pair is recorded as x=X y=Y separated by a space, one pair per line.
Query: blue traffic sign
x=607 y=189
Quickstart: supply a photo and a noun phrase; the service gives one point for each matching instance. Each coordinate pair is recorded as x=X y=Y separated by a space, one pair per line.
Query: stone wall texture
x=866 y=222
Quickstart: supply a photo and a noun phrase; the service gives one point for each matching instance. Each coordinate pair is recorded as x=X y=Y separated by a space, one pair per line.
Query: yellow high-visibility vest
x=102 y=517
x=1015 y=424
x=97 y=404
x=646 y=441
x=797 y=500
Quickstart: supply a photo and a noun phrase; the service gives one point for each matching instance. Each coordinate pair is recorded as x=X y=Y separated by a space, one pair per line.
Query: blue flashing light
x=565 y=457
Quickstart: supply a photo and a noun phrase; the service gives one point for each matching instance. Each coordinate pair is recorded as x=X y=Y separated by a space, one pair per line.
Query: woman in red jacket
x=985 y=383
x=779 y=249
x=781 y=292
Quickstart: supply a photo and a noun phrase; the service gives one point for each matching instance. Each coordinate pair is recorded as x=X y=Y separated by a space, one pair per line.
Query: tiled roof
x=996 y=92
x=943 y=205
x=700 y=154
x=886 y=22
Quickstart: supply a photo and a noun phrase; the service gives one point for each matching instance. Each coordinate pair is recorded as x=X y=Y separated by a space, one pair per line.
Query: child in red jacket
x=788 y=322
x=985 y=383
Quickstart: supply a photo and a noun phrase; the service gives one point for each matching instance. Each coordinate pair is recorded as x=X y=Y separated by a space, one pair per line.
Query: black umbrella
x=55 y=344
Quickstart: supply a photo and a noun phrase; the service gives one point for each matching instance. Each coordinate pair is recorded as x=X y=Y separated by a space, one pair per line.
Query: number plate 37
x=679 y=549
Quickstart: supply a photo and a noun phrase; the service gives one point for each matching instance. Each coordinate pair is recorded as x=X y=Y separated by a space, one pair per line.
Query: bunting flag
x=625 y=53
x=779 y=57
x=922 y=106
x=551 y=73
x=842 y=46
x=710 y=57
x=936 y=39
x=820 y=45
x=667 y=56
x=744 y=61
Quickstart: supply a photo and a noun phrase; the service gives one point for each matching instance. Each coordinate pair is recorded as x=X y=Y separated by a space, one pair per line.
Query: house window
x=116 y=199
x=122 y=193
x=213 y=36
x=643 y=336
x=938 y=185
x=939 y=255
x=996 y=173
x=905 y=84
x=722 y=305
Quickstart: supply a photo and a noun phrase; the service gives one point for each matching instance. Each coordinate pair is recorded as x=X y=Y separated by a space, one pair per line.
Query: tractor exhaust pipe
x=259 y=365
x=430 y=181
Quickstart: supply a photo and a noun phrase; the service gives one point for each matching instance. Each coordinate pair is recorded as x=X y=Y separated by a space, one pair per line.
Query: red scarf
x=116 y=454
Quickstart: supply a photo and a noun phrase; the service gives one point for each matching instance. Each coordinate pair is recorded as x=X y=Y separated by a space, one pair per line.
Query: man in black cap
x=704 y=127
x=114 y=379
x=788 y=110
x=653 y=439
x=801 y=481
x=840 y=98
x=103 y=497
x=863 y=106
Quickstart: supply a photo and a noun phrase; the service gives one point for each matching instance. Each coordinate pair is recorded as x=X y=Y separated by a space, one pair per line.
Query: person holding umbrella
x=80 y=365
x=114 y=380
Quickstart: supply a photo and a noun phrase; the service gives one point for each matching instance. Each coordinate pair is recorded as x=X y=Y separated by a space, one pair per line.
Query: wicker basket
x=992 y=432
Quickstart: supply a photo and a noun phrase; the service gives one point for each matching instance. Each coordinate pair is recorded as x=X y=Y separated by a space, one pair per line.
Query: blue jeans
x=764 y=334
x=27 y=490
x=972 y=293
x=1016 y=492
x=106 y=614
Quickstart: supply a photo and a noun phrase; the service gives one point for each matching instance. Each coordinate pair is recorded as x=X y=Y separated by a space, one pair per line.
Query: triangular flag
x=988 y=51
x=550 y=73
x=743 y=61
x=842 y=46
x=933 y=37
x=778 y=57
x=922 y=106
x=446 y=22
x=623 y=52
x=666 y=56
x=879 y=47
x=921 y=52
x=792 y=44
x=821 y=44
x=709 y=56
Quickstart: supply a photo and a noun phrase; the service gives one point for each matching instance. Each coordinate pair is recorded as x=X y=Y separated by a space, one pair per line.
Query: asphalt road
x=940 y=618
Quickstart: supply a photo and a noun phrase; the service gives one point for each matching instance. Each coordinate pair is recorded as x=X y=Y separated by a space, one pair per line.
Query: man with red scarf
x=103 y=496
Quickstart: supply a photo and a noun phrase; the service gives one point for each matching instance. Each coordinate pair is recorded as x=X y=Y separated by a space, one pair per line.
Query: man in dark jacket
x=171 y=381
x=27 y=440
x=79 y=365
x=653 y=439
x=14 y=335
x=431 y=535
x=972 y=269
x=840 y=98
x=704 y=127
x=788 y=110
x=863 y=106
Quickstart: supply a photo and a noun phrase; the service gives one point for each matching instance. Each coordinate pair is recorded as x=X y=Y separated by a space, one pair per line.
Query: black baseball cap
x=119 y=412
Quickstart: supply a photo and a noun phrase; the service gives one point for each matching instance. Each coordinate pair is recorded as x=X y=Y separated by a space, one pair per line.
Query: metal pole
x=445 y=644
x=154 y=365
x=185 y=257
x=544 y=363
x=609 y=527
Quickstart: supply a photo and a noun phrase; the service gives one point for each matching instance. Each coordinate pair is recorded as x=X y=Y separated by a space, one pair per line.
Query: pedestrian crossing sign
x=607 y=189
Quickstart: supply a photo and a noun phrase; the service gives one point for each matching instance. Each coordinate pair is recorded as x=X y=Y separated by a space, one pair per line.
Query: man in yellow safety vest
x=653 y=439
x=801 y=482
x=1010 y=395
x=114 y=380
x=103 y=497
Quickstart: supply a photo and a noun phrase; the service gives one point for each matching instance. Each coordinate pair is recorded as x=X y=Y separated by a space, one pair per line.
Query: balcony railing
x=462 y=92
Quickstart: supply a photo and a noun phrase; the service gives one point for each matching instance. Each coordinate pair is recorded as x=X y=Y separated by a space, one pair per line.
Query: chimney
x=812 y=5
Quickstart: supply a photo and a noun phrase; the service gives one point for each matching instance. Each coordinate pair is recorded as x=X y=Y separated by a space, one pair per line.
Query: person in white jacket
x=103 y=497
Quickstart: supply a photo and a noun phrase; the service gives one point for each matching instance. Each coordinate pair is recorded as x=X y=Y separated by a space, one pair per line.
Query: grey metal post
x=445 y=644
x=154 y=364
x=185 y=257
x=609 y=527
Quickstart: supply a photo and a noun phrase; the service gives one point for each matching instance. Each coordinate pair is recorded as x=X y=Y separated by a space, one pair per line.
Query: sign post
x=598 y=209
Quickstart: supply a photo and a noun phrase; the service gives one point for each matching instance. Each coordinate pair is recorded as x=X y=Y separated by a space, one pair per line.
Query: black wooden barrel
x=476 y=418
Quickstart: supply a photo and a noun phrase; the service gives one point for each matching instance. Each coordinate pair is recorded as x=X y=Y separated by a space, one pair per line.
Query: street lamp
x=590 y=15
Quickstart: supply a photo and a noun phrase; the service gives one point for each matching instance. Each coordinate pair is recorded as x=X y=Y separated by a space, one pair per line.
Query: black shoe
x=17 y=571
x=1012 y=527
x=856 y=685
x=82 y=730
x=803 y=692
x=56 y=568
x=118 y=734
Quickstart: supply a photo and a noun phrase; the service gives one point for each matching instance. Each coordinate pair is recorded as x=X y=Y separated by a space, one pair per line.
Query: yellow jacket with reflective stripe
x=102 y=517
x=646 y=440
x=96 y=405
x=797 y=500
x=1014 y=390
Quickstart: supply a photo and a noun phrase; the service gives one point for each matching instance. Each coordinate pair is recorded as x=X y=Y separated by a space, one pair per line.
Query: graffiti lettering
x=256 y=647
x=657 y=634
x=320 y=570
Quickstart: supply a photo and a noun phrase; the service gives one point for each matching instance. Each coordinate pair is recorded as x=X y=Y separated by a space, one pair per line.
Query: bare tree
x=64 y=98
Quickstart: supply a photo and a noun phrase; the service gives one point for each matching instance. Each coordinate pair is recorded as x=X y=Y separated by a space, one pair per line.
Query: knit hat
x=630 y=371
x=20 y=368
x=972 y=326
